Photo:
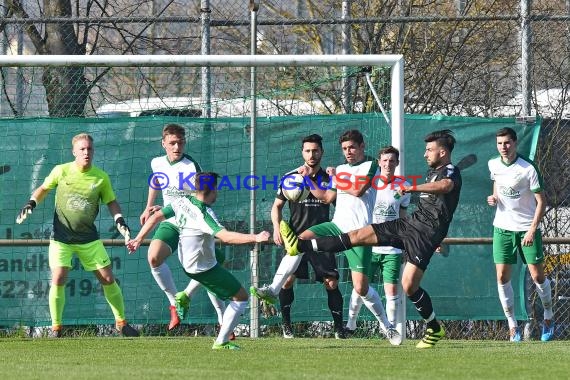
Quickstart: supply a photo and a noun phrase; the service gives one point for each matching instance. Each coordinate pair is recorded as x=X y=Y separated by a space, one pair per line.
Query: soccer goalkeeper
x=80 y=187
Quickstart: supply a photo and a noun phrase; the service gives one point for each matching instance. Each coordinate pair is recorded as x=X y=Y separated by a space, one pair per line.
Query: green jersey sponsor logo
x=78 y=203
x=509 y=192
x=384 y=211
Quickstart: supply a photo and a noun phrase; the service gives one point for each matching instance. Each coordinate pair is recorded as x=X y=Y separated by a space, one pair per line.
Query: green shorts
x=358 y=257
x=92 y=255
x=386 y=266
x=218 y=281
x=507 y=244
x=168 y=233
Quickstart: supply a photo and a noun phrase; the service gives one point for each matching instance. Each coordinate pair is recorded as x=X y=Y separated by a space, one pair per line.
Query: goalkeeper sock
x=114 y=297
x=56 y=304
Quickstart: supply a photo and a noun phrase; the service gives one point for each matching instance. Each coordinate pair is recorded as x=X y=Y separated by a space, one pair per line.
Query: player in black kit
x=418 y=234
x=303 y=215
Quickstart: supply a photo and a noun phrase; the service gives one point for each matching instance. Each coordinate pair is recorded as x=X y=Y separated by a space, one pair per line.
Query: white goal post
x=396 y=120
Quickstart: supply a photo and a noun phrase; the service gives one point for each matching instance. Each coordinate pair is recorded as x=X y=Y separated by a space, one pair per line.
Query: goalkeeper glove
x=122 y=227
x=26 y=210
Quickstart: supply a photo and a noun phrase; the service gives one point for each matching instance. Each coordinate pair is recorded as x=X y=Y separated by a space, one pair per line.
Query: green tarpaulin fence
x=462 y=285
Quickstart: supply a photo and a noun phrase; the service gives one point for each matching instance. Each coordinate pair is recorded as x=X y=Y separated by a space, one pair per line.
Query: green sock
x=56 y=304
x=114 y=297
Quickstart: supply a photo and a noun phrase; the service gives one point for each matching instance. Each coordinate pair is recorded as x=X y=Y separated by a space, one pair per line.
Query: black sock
x=434 y=325
x=286 y=297
x=337 y=243
x=335 y=306
x=422 y=302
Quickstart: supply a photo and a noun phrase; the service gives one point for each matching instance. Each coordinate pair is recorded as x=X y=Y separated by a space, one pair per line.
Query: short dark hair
x=389 y=149
x=507 y=132
x=352 y=135
x=443 y=138
x=314 y=138
x=205 y=182
x=174 y=129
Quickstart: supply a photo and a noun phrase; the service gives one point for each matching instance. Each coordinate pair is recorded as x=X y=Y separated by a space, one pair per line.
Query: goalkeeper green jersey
x=77 y=199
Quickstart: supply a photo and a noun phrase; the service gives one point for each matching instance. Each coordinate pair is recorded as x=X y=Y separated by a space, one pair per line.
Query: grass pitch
x=277 y=358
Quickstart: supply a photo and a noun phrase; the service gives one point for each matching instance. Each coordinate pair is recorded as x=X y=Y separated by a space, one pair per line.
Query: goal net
x=245 y=117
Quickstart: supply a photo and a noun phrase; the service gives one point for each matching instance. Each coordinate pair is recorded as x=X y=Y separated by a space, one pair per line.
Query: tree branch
x=18 y=9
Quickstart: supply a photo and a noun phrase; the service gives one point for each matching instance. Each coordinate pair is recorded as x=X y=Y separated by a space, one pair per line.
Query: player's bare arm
x=152 y=194
x=114 y=207
x=358 y=188
x=528 y=238
x=276 y=217
x=152 y=221
x=231 y=237
x=493 y=198
x=443 y=186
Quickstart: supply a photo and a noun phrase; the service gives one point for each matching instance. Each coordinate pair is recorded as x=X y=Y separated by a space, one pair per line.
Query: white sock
x=392 y=308
x=193 y=285
x=163 y=277
x=373 y=302
x=287 y=266
x=353 y=310
x=506 y=296
x=218 y=305
x=231 y=319
x=545 y=293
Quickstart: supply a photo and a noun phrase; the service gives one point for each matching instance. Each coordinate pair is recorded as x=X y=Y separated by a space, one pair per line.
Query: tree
x=68 y=89
x=451 y=67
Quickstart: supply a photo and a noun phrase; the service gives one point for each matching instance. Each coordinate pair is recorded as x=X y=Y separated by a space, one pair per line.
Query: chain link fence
x=462 y=58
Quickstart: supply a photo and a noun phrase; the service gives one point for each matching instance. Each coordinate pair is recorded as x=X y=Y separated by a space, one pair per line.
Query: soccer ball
x=294 y=188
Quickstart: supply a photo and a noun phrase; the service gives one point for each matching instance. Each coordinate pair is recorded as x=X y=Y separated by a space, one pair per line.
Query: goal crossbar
x=201 y=60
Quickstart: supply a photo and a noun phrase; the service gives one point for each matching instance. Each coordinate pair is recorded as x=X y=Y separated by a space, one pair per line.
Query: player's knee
x=158 y=252
x=157 y=255
x=154 y=261
x=241 y=295
x=538 y=278
x=331 y=283
x=106 y=279
x=360 y=289
x=58 y=277
x=362 y=235
x=58 y=281
x=409 y=287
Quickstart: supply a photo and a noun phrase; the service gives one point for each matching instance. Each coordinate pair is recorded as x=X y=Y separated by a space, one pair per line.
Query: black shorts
x=323 y=263
x=417 y=241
